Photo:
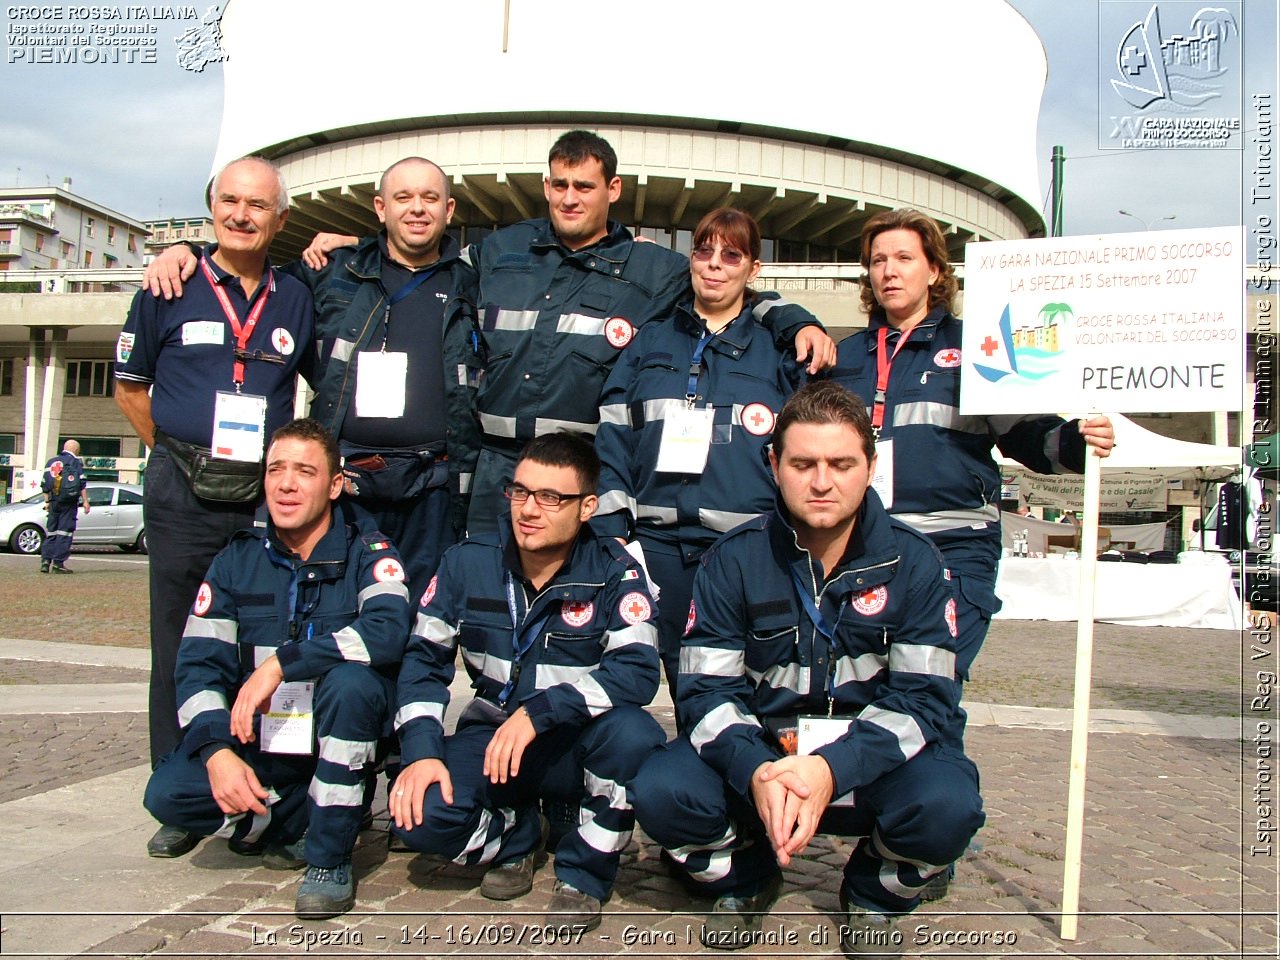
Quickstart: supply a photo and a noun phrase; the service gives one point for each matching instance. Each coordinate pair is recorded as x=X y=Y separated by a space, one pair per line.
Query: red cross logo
x=989 y=346
x=635 y=608
x=618 y=331
x=283 y=340
x=757 y=419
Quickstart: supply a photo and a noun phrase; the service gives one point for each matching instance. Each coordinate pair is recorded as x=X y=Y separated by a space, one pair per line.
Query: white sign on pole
x=1121 y=322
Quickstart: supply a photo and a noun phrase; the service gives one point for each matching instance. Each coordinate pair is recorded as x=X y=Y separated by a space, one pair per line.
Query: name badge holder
x=686 y=434
x=239 y=419
x=288 y=726
x=382 y=376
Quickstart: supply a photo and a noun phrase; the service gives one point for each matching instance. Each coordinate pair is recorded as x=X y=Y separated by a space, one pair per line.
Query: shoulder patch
x=124 y=347
x=692 y=618
x=376 y=541
x=635 y=608
x=204 y=599
x=949 y=614
x=388 y=568
x=430 y=593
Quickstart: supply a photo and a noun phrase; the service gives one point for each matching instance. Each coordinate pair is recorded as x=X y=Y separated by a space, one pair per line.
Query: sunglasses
x=728 y=256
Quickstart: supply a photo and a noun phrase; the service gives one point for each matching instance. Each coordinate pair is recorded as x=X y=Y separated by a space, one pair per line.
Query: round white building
x=812 y=115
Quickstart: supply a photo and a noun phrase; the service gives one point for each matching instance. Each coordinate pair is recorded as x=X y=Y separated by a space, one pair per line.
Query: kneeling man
x=817 y=694
x=558 y=633
x=293 y=643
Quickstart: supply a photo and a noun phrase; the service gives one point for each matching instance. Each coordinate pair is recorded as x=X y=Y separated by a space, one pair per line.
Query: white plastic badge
x=289 y=723
x=203 y=331
x=380 y=384
x=882 y=482
x=815 y=732
x=686 y=441
x=239 y=426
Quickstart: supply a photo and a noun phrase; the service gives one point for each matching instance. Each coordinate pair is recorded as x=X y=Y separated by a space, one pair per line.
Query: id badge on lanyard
x=815 y=732
x=239 y=419
x=239 y=426
x=380 y=384
x=686 y=440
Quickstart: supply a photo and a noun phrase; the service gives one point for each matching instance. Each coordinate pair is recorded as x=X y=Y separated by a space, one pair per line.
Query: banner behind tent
x=1119 y=494
x=1123 y=322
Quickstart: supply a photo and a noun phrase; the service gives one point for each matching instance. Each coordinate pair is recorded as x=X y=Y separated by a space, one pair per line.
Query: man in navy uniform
x=204 y=381
x=557 y=630
x=63 y=486
x=309 y=615
x=817 y=694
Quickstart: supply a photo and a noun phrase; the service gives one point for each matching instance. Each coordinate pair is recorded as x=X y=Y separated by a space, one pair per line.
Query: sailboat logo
x=1183 y=70
x=1031 y=352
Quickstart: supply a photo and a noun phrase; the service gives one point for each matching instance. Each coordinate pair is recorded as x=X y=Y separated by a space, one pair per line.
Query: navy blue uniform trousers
x=323 y=795
x=498 y=823
x=59 y=530
x=910 y=823
x=184 y=534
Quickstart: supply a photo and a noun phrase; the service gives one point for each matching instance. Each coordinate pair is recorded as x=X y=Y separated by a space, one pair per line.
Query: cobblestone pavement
x=1167 y=870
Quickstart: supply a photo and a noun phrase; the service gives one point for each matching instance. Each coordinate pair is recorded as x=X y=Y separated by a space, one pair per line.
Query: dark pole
x=1055 y=199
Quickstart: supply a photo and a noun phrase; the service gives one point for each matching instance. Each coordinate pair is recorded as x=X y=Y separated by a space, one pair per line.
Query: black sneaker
x=286 y=856
x=866 y=933
x=170 y=842
x=937 y=887
x=506 y=881
x=44 y=566
x=734 y=919
x=59 y=568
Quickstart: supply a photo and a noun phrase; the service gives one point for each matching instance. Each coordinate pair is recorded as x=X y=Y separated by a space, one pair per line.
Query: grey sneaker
x=866 y=933
x=734 y=919
x=326 y=892
x=571 y=907
x=506 y=881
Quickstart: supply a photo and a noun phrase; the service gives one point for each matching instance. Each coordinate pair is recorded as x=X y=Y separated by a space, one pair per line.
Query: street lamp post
x=1146 y=224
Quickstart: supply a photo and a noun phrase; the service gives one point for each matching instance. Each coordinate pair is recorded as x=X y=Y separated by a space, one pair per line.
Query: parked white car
x=114 y=518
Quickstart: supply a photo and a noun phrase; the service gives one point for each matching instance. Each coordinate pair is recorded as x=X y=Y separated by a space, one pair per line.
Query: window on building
x=111 y=233
x=133 y=243
x=39 y=243
x=89 y=225
x=6 y=235
x=6 y=377
x=66 y=248
x=112 y=261
x=88 y=259
x=90 y=378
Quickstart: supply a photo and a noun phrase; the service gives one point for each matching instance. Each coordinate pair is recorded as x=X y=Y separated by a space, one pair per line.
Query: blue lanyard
x=521 y=640
x=827 y=630
x=414 y=283
x=695 y=367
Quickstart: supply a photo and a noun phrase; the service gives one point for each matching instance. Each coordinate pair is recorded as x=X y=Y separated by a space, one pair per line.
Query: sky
x=139 y=137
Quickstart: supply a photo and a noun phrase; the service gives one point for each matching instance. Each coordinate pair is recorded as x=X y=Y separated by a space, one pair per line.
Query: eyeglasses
x=551 y=499
x=728 y=256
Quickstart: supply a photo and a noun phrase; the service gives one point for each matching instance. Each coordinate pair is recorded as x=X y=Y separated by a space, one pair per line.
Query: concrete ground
x=1176 y=862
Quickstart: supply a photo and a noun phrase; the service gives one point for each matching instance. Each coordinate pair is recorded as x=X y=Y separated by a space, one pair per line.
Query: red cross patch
x=388 y=568
x=282 y=340
x=949 y=614
x=871 y=602
x=635 y=608
x=430 y=593
x=204 y=599
x=757 y=419
x=950 y=357
x=55 y=468
x=691 y=619
x=577 y=614
x=618 y=331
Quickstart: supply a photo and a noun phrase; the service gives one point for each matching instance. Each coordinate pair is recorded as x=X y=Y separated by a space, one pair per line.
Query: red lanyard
x=242 y=331
x=883 y=362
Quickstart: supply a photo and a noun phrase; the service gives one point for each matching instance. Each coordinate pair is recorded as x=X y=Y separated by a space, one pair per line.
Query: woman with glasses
x=685 y=418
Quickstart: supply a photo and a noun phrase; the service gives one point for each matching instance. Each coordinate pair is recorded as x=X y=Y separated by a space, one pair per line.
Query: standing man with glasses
x=557 y=630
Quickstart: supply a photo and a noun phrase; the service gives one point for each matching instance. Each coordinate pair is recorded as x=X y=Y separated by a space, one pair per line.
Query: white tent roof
x=1141 y=452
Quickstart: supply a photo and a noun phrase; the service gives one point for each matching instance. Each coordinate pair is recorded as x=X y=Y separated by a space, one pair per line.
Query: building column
x=55 y=388
x=33 y=390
